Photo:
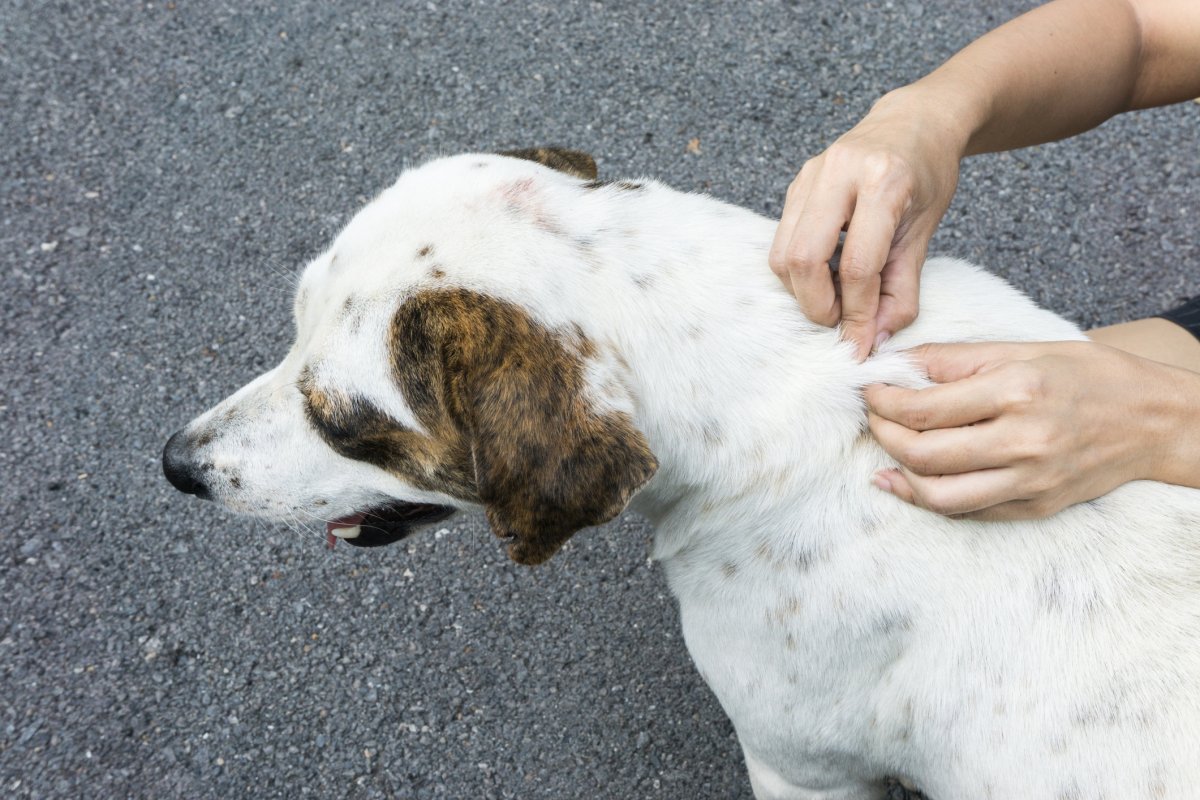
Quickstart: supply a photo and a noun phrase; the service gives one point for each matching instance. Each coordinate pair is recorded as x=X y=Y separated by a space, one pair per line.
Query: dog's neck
x=745 y=415
x=740 y=396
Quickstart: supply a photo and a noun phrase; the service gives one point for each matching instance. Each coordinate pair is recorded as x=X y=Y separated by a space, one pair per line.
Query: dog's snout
x=180 y=467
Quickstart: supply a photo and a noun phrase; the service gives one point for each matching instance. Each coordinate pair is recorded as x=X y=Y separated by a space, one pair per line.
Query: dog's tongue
x=344 y=528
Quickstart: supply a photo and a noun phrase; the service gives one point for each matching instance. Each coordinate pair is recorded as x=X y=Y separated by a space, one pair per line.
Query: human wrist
x=936 y=106
x=1173 y=427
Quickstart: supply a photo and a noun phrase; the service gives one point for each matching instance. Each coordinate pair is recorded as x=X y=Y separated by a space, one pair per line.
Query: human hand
x=1018 y=431
x=886 y=182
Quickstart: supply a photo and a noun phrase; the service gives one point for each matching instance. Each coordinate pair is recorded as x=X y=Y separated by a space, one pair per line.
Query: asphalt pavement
x=167 y=167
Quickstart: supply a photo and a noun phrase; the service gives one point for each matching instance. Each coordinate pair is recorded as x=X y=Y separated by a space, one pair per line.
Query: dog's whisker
x=290 y=523
x=301 y=528
x=291 y=275
x=320 y=519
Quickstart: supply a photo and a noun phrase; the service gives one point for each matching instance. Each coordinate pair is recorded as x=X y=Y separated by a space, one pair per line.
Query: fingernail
x=880 y=481
x=881 y=338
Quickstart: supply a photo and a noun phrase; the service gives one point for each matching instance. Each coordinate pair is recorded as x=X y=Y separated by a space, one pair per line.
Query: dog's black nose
x=181 y=471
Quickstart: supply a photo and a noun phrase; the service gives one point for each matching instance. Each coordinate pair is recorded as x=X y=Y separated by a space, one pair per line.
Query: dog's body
x=848 y=635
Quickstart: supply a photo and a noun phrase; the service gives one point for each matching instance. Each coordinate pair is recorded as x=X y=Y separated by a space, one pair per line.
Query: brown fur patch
x=503 y=400
x=572 y=162
x=424 y=251
x=356 y=428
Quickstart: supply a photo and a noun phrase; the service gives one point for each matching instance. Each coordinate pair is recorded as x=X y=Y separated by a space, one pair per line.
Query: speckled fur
x=508 y=319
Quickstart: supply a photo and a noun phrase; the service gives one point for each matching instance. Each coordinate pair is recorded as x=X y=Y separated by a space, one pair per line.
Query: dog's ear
x=506 y=394
x=572 y=162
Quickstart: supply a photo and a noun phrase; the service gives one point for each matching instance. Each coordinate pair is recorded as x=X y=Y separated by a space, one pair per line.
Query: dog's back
x=849 y=634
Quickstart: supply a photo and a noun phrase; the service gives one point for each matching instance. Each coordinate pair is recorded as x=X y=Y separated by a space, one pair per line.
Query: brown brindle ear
x=492 y=385
x=572 y=162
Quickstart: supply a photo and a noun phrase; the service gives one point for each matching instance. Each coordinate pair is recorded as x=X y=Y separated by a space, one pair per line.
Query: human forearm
x=1153 y=338
x=1061 y=69
x=1171 y=392
x=1178 y=429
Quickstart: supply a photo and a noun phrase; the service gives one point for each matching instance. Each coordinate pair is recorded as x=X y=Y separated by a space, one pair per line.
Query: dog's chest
x=759 y=630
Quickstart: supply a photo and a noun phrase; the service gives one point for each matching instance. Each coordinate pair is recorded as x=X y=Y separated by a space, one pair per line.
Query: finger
x=814 y=240
x=868 y=240
x=899 y=291
x=797 y=195
x=946 y=405
x=1016 y=510
x=894 y=481
x=816 y=301
x=953 y=495
x=950 y=451
x=944 y=363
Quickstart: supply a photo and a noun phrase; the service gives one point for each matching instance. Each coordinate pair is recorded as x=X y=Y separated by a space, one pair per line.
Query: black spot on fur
x=896 y=791
x=893 y=623
x=425 y=251
x=1050 y=590
x=625 y=186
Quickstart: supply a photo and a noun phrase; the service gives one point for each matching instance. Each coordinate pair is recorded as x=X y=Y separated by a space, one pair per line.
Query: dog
x=507 y=333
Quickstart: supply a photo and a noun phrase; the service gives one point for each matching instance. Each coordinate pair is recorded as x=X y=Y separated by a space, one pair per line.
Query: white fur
x=849 y=636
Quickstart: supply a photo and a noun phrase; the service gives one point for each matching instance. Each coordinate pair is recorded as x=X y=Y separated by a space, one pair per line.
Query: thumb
x=944 y=363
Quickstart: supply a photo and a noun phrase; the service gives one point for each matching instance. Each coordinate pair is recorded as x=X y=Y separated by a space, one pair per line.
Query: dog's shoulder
x=961 y=302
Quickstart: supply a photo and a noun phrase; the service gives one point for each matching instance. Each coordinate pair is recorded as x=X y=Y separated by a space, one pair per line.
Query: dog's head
x=433 y=370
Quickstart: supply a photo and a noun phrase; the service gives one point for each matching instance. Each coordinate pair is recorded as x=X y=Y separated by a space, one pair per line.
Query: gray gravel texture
x=167 y=167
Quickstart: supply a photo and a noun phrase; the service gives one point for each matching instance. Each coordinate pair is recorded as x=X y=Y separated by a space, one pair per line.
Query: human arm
x=1053 y=72
x=1024 y=430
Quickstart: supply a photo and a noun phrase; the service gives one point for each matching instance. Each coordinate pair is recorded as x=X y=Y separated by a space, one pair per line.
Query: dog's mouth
x=384 y=524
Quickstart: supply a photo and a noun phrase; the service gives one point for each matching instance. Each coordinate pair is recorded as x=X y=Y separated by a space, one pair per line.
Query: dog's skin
x=490 y=333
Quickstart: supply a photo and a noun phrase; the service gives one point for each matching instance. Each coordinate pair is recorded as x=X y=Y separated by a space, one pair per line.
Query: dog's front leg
x=770 y=785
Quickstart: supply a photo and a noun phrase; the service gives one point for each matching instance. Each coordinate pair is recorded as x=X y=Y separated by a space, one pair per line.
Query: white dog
x=492 y=333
